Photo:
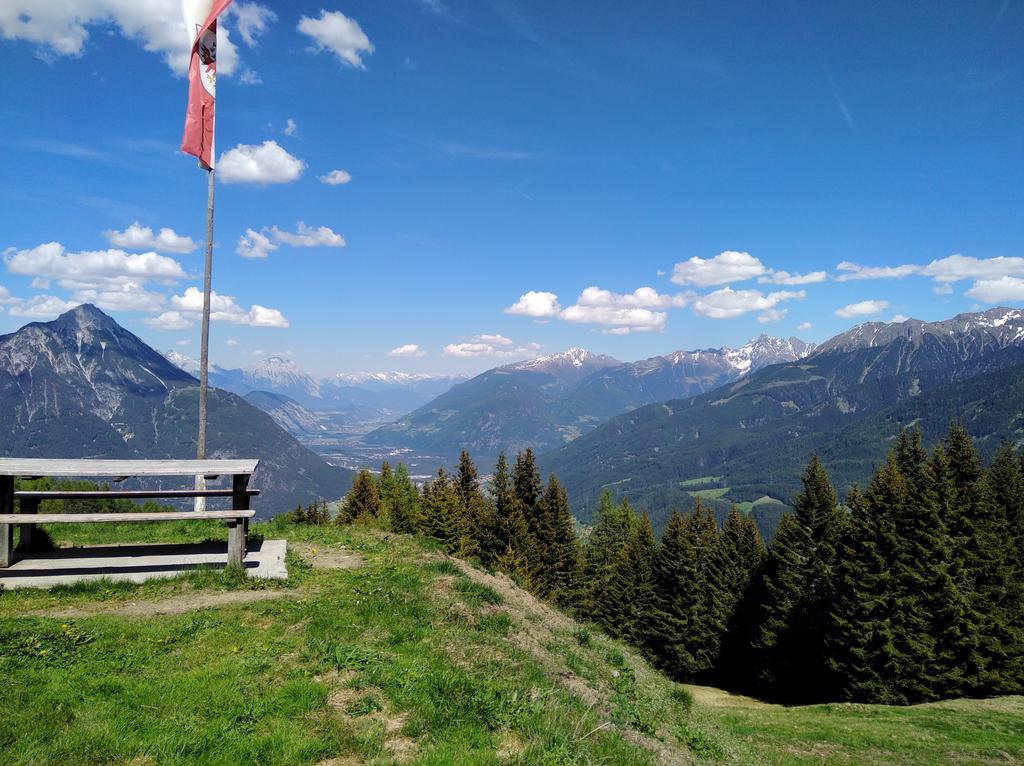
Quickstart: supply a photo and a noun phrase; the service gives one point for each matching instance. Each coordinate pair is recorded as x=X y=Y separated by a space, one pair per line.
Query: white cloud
x=92 y=268
x=773 y=315
x=291 y=128
x=63 y=28
x=409 y=349
x=728 y=303
x=126 y=296
x=862 y=309
x=643 y=310
x=224 y=308
x=899 y=318
x=490 y=345
x=535 y=304
x=944 y=288
x=997 y=290
x=251 y=20
x=139 y=237
x=249 y=77
x=954 y=268
x=336 y=178
x=267 y=163
x=183 y=342
x=170 y=321
x=253 y=244
x=231 y=343
x=853 y=271
x=774 y=277
x=41 y=307
x=307 y=236
x=804 y=326
x=729 y=266
x=6 y=297
x=257 y=244
x=336 y=32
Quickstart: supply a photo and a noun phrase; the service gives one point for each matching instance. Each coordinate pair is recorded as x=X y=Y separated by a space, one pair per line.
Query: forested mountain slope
x=749 y=439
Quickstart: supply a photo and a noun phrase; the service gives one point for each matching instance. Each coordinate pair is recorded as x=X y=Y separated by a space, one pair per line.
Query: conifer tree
x=511 y=537
x=981 y=537
x=613 y=526
x=527 y=484
x=362 y=503
x=630 y=590
x=667 y=623
x=1006 y=483
x=743 y=555
x=388 y=489
x=442 y=516
x=472 y=508
x=711 y=602
x=957 y=649
x=925 y=601
x=557 y=548
x=405 y=513
x=797 y=586
x=862 y=649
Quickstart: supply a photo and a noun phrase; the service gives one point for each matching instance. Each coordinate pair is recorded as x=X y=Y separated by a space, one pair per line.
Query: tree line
x=912 y=590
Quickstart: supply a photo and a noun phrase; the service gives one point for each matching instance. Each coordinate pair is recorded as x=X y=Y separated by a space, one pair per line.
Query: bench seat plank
x=127 y=494
x=86 y=518
x=11 y=466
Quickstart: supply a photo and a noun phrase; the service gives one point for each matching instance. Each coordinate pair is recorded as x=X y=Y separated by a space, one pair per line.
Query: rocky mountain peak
x=995 y=328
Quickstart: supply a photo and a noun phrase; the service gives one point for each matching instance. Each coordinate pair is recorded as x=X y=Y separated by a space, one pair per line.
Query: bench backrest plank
x=10 y=466
x=88 y=518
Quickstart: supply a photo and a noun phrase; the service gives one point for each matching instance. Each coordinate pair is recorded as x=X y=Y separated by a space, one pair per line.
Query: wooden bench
x=33 y=468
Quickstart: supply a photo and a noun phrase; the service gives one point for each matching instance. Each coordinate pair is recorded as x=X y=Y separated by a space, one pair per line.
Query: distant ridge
x=546 y=401
x=394 y=392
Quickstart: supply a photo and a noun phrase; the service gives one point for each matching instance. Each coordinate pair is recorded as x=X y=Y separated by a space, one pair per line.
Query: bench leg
x=236 y=541
x=6 y=530
x=28 y=531
x=6 y=545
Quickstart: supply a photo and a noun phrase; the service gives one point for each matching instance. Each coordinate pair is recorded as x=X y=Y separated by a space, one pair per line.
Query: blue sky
x=503 y=148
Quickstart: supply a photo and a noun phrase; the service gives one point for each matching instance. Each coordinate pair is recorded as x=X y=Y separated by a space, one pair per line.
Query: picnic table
x=237 y=518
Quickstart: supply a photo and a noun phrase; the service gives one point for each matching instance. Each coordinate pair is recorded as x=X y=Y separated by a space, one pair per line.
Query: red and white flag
x=201 y=22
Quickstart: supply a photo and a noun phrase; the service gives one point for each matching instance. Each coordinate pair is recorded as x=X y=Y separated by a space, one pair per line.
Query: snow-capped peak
x=186 y=363
x=573 y=357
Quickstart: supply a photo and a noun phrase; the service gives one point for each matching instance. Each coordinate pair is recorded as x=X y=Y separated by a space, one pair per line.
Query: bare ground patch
x=328 y=557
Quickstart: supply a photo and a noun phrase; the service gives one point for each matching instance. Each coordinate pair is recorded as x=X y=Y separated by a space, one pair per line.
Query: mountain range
x=83 y=386
x=747 y=441
x=388 y=392
x=548 y=401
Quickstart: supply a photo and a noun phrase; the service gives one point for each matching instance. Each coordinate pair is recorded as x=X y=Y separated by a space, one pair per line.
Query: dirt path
x=186 y=602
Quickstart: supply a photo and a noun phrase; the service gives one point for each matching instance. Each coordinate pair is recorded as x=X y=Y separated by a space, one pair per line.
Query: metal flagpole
x=204 y=353
x=201 y=22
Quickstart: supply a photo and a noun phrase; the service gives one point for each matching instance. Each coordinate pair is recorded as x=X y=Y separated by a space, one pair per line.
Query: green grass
x=748 y=505
x=715 y=493
x=406 y=659
x=962 y=731
x=699 y=481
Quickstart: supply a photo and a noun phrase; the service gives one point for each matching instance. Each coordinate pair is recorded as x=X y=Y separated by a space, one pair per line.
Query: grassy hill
x=380 y=649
